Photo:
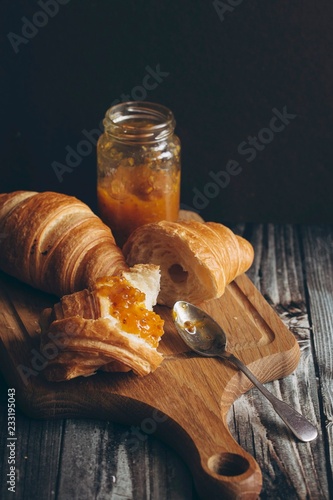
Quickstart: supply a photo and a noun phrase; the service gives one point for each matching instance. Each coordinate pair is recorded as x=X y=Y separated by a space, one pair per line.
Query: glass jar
x=138 y=158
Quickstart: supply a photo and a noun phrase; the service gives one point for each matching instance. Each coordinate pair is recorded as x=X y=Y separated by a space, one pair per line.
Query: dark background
x=225 y=75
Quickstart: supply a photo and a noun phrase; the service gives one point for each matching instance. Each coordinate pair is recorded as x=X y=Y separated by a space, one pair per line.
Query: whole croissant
x=54 y=242
x=197 y=260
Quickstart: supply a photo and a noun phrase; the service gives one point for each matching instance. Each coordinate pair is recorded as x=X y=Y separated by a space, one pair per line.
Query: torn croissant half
x=197 y=259
x=110 y=327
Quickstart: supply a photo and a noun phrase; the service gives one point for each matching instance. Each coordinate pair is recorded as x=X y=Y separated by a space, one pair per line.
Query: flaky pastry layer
x=54 y=242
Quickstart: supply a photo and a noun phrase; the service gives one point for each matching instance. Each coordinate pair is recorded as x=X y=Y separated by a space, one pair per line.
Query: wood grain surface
x=185 y=401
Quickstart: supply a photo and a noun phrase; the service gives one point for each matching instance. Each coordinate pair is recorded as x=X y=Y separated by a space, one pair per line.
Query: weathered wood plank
x=290 y=469
x=318 y=266
x=123 y=463
x=37 y=453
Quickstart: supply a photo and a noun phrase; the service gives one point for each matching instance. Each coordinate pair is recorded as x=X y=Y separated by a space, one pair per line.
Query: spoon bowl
x=198 y=330
x=205 y=336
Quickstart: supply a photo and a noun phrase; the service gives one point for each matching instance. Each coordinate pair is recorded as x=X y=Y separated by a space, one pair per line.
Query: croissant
x=197 y=260
x=111 y=327
x=54 y=242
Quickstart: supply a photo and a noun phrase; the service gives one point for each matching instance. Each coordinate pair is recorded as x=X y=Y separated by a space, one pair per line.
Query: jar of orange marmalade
x=138 y=158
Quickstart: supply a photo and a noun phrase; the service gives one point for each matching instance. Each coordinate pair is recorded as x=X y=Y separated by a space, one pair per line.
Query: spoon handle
x=299 y=425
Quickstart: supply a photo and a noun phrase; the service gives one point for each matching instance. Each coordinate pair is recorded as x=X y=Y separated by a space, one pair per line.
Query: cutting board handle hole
x=228 y=464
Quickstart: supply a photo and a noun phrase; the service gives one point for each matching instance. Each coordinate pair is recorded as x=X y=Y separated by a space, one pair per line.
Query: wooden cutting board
x=184 y=402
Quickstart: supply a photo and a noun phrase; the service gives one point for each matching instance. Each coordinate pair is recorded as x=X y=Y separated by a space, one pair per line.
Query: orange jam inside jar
x=138 y=158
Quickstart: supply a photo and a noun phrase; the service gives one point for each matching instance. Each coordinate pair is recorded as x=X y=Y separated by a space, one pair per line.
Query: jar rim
x=139 y=121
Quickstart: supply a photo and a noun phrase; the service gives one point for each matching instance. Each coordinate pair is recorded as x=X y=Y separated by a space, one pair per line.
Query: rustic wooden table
x=87 y=459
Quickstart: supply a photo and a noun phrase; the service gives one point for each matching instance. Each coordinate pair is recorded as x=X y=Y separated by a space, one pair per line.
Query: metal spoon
x=202 y=334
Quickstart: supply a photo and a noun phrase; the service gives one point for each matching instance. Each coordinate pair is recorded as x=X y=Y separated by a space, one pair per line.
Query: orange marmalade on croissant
x=128 y=307
x=138 y=167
